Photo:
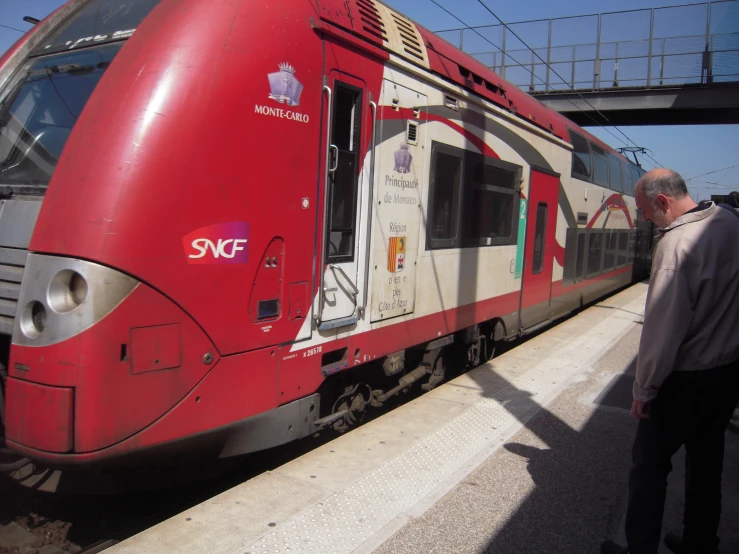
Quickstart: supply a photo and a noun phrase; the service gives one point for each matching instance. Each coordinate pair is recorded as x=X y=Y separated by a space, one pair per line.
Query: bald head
x=662 y=181
x=662 y=196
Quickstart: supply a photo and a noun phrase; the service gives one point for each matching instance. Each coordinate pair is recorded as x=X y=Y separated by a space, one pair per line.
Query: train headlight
x=61 y=297
x=33 y=319
x=67 y=291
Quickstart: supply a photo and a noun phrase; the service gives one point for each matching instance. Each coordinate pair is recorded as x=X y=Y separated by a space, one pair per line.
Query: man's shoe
x=674 y=542
x=610 y=547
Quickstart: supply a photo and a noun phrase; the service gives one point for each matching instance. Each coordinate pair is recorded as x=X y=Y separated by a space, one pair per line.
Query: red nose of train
x=97 y=356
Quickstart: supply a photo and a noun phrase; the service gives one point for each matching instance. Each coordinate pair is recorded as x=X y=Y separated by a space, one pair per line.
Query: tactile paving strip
x=346 y=519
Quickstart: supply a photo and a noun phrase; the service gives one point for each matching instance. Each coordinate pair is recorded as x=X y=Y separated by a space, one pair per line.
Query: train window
x=635 y=175
x=581 y=162
x=595 y=252
x=609 y=260
x=106 y=20
x=491 y=216
x=541 y=225
x=614 y=168
x=623 y=247
x=446 y=185
x=631 y=248
x=42 y=107
x=628 y=179
x=345 y=134
x=580 y=258
x=600 y=166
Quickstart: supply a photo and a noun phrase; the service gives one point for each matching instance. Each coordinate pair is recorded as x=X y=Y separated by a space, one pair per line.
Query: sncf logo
x=225 y=243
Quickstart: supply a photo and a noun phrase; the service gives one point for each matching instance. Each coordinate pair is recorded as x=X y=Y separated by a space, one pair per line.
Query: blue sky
x=691 y=150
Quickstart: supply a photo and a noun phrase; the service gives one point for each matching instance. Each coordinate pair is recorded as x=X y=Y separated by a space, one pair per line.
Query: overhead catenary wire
x=723 y=176
x=550 y=68
x=722 y=187
x=714 y=171
x=714 y=185
x=533 y=74
x=12 y=28
x=600 y=124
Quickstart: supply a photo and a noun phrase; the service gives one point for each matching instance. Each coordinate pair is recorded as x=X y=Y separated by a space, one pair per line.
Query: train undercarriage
x=346 y=396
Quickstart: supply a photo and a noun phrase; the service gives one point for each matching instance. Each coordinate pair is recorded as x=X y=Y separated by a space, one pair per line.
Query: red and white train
x=220 y=221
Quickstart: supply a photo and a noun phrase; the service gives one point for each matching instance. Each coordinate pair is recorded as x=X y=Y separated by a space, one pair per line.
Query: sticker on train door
x=396 y=254
x=521 y=236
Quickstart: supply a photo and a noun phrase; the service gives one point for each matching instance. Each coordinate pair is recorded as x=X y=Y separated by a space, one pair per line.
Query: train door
x=536 y=290
x=348 y=119
x=397 y=222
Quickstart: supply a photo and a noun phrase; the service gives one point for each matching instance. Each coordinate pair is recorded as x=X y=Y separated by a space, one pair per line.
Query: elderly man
x=687 y=371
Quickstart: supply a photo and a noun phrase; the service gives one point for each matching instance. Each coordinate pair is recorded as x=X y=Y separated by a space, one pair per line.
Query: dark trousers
x=693 y=409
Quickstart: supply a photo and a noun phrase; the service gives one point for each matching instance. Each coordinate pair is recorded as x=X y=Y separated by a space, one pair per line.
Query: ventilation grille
x=451 y=102
x=12 y=264
x=400 y=35
x=411 y=135
x=479 y=81
x=371 y=20
x=409 y=38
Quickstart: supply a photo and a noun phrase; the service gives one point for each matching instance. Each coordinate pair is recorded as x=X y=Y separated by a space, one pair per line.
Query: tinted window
x=623 y=246
x=628 y=180
x=635 y=175
x=37 y=116
x=345 y=136
x=446 y=181
x=600 y=166
x=488 y=174
x=614 y=167
x=490 y=215
x=595 y=250
x=581 y=162
x=98 y=21
x=541 y=225
x=580 y=258
x=491 y=203
x=609 y=260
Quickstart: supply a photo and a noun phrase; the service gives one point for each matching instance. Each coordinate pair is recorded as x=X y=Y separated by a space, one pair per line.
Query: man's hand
x=639 y=409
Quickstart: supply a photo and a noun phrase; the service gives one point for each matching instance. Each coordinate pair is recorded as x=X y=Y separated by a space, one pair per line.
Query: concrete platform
x=528 y=453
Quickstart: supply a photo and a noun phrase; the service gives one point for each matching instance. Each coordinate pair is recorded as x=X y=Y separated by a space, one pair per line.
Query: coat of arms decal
x=286 y=89
x=396 y=254
x=403 y=159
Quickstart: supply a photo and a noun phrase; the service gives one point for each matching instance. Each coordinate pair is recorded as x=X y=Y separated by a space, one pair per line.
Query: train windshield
x=95 y=22
x=40 y=110
x=40 y=107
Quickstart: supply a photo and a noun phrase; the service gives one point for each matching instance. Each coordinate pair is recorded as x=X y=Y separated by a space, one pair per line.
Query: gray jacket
x=691 y=320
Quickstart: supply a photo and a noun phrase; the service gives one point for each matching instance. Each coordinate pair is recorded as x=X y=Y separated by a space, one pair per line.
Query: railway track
x=33 y=522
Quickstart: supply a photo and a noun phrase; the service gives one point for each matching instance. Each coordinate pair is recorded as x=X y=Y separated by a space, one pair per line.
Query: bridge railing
x=656 y=47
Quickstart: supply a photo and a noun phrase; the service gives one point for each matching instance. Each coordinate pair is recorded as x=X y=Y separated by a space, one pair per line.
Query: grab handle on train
x=318 y=314
x=370 y=204
x=355 y=290
x=333 y=158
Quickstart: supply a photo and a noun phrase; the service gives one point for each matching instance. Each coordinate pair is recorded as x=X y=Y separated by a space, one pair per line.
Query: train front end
x=145 y=277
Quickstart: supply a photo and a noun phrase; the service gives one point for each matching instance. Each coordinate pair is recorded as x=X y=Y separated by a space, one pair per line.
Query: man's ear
x=662 y=202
